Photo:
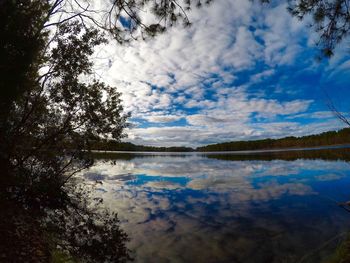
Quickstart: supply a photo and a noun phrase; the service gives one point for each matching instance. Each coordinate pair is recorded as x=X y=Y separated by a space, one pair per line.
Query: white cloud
x=262 y=75
x=192 y=73
x=215 y=132
x=219 y=38
x=314 y=115
x=163 y=118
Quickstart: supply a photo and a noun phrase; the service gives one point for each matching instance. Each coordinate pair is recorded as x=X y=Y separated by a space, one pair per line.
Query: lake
x=221 y=207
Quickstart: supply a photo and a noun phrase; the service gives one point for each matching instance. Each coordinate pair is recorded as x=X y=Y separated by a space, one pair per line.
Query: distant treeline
x=326 y=138
x=322 y=139
x=109 y=145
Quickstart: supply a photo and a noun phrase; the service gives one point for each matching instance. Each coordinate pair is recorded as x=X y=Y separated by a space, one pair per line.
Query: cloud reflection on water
x=195 y=209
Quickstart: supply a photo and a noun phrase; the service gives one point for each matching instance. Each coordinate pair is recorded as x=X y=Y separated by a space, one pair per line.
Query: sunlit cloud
x=241 y=66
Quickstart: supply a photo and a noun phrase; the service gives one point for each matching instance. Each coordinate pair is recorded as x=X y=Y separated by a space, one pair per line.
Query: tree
x=331 y=20
x=49 y=115
x=52 y=109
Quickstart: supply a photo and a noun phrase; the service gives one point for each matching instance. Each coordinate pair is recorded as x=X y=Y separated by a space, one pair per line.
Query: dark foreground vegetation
x=325 y=138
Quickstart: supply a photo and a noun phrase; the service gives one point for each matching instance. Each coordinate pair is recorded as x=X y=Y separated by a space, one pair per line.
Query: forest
x=326 y=138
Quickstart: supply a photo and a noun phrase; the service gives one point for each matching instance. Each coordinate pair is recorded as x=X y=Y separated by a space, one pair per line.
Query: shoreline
x=265 y=150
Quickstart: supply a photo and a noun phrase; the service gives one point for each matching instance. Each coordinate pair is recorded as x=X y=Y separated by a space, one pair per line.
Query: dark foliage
x=48 y=117
x=331 y=19
x=21 y=48
x=85 y=231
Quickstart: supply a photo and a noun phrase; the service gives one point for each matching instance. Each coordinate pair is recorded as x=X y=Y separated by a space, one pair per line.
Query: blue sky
x=242 y=71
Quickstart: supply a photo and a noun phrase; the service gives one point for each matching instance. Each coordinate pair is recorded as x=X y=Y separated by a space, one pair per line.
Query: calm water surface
x=224 y=208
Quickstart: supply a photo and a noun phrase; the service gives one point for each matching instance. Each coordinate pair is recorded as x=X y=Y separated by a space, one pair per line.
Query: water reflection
x=197 y=208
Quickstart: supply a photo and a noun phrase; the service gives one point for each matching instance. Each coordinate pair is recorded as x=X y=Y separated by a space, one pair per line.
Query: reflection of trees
x=78 y=227
x=325 y=154
x=101 y=155
x=88 y=232
x=288 y=155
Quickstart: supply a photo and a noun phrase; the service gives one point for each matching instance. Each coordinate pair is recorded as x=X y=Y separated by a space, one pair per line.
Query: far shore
x=333 y=146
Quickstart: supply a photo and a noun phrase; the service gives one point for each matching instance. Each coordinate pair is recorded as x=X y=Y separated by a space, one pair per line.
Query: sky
x=242 y=71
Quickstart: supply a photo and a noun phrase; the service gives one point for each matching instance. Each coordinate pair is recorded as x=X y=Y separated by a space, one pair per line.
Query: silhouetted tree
x=331 y=19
